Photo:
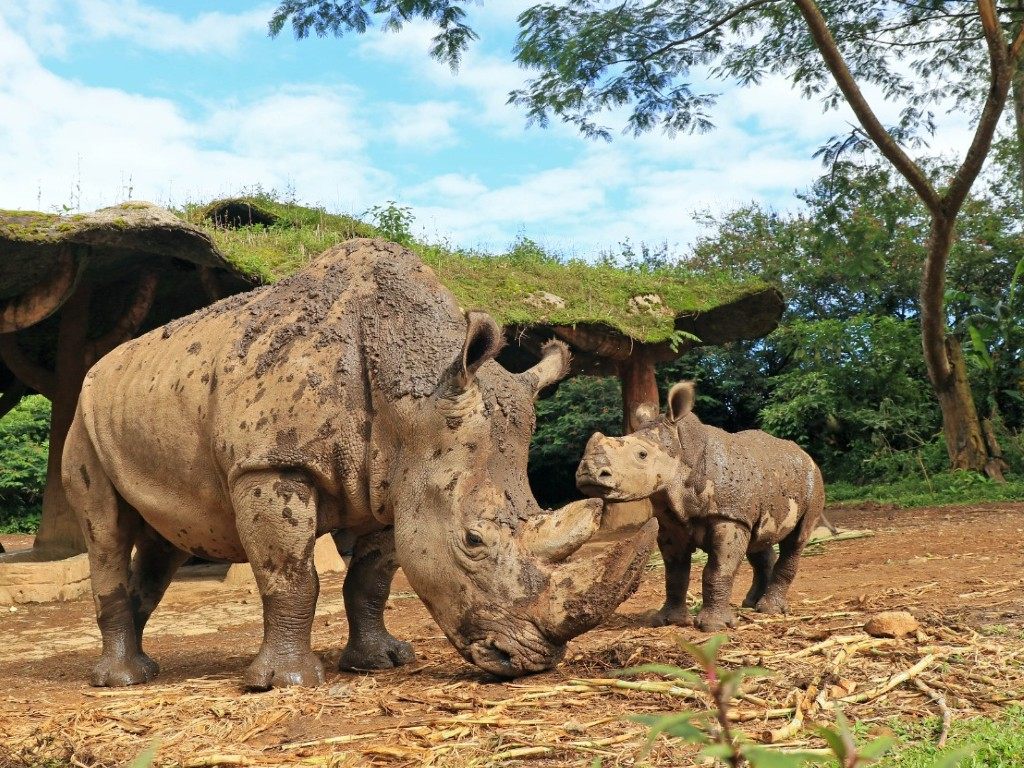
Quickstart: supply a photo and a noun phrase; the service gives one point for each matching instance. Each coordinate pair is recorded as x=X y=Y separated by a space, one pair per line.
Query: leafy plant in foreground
x=713 y=731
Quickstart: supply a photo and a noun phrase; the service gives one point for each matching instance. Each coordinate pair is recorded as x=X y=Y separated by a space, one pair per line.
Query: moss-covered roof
x=107 y=241
x=525 y=287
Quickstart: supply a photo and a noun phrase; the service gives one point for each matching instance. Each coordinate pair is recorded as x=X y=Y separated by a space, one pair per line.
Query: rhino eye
x=474 y=539
x=642 y=455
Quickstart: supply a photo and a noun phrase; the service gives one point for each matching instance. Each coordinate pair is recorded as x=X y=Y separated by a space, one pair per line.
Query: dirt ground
x=957 y=569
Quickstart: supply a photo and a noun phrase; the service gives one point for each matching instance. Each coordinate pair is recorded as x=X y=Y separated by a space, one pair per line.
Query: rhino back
x=760 y=478
x=283 y=377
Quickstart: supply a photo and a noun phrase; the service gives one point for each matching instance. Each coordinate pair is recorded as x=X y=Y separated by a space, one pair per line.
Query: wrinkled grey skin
x=728 y=494
x=354 y=398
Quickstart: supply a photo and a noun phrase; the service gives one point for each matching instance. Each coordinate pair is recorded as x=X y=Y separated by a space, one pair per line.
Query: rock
x=544 y=300
x=648 y=304
x=891 y=624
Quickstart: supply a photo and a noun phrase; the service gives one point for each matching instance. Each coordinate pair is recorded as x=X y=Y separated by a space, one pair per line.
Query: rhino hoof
x=771 y=606
x=666 y=616
x=715 y=621
x=269 y=671
x=112 y=671
x=383 y=653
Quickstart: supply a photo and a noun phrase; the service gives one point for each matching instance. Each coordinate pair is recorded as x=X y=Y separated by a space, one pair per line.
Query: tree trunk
x=960 y=423
x=1017 y=97
x=945 y=363
x=1018 y=120
x=59 y=533
x=638 y=387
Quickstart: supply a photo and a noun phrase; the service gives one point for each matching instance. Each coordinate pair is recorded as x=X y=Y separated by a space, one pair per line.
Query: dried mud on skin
x=440 y=712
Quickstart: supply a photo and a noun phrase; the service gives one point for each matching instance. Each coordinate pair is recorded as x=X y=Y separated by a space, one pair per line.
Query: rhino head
x=494 y=570
x=662 y=456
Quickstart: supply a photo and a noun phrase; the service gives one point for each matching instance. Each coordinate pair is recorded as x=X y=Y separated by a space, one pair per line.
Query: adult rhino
x=354 y=397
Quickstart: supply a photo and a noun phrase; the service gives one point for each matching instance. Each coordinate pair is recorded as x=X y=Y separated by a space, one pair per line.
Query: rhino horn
x=584 y=592
x=555 y=359
x=553 y=536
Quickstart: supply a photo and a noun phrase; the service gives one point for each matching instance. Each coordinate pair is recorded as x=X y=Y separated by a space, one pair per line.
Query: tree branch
x=26 y=370
x=738 y=10
x=888 y=146
x=999 y=88
x=1016 y=45
x=129 y=322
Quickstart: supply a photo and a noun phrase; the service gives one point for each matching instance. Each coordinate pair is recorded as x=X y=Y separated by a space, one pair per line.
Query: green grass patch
x=944 y=488
x=997 y=743
x=501 y=284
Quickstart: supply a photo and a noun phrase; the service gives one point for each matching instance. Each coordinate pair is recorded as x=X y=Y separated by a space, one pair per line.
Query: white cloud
x=149 y=27
x=484 y=77
x=69 y=143
x=427 y=125
x=39 y=23
x=51 y=26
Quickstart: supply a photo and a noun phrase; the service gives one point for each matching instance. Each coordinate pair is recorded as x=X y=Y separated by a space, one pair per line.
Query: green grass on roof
x=595 y=293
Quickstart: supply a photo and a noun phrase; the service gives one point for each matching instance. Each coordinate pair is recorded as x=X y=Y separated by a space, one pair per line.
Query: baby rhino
x=728 y=494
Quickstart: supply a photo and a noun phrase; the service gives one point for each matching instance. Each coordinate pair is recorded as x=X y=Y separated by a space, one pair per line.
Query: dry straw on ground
x=441 y=713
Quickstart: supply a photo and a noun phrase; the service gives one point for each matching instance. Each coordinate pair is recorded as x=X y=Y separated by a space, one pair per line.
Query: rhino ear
x=644 y=414
x=553 y=366
x=484 y=340
x=680 y=401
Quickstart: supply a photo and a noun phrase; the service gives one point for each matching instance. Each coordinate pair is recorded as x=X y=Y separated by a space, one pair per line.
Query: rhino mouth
x=594 y=489
x=507 y=656
x=595 y=485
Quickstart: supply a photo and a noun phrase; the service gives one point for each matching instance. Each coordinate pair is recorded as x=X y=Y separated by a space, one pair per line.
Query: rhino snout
x=505 y=657
x=594 y=477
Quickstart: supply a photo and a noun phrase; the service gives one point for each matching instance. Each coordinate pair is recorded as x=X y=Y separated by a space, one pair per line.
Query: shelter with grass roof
x=73 y=287
x=617 y=321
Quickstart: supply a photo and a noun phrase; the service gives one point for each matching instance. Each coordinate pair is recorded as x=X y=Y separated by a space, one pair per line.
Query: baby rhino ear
x=680 y=401
x=644 y=414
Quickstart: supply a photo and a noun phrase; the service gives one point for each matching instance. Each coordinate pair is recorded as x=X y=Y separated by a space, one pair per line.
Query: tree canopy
x=591 y=57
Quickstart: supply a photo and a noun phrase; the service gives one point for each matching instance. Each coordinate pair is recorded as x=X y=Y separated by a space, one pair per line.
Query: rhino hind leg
x=763 y=563
x=155 y=562
x=677 y=552
x=276 y=515
x=110 y=527
x=773 y=601
x=367 y=586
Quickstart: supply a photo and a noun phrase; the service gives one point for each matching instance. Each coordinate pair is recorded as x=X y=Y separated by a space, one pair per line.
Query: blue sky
x=102 y=100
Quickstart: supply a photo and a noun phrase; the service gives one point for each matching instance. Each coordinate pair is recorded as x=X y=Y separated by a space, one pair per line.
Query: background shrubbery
x=843 y=375
x=23 y=446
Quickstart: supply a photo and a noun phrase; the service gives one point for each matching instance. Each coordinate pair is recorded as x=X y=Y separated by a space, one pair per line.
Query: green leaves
x=392 y=221
x=341 y=16
x=24 y=448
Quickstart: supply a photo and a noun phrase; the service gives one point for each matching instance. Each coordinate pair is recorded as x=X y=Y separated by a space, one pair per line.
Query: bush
x=24 y=443
x=855 y=396
x=580 y=407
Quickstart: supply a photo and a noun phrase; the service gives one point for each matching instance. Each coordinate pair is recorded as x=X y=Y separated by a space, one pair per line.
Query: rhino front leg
x=763 y=563
x=366 y=590
x=677 y=552
x=727 y=547
x=276 y=517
